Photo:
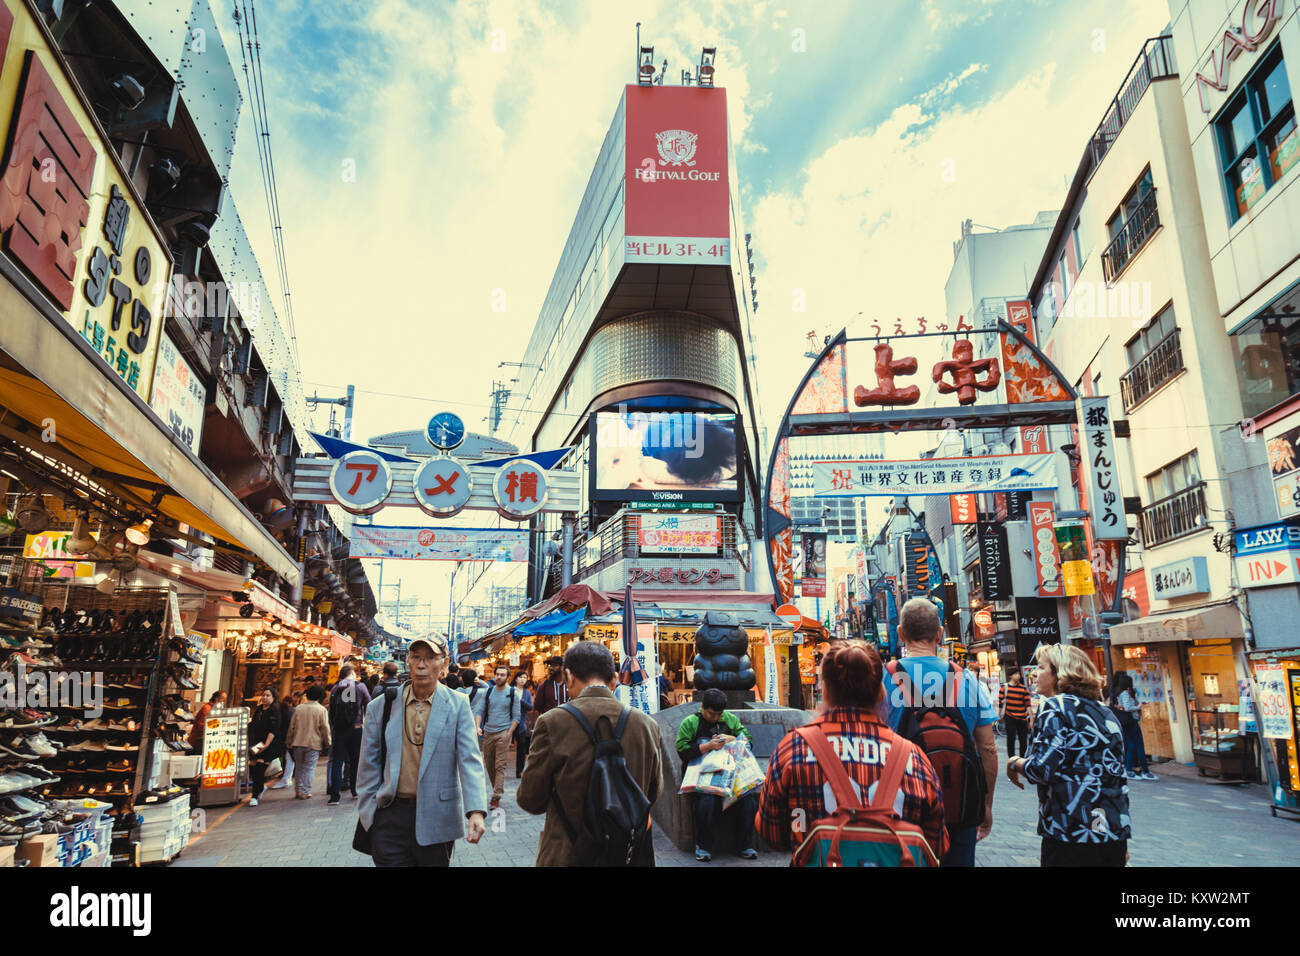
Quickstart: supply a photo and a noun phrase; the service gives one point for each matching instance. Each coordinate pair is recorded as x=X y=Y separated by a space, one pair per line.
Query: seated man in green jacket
x=712 y=729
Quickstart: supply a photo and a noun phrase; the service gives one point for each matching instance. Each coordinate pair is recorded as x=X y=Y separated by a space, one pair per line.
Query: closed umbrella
x=631 y=673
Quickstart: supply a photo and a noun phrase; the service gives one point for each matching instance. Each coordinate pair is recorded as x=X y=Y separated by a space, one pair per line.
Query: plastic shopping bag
x=709 y=773
x=748 y=775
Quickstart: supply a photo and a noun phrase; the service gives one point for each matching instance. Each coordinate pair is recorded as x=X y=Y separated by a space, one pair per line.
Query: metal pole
x=347 y=415
x=296 y=600
x=566 y=554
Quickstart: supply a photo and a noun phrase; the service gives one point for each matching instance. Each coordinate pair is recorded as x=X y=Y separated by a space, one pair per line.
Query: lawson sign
x=1267 y=555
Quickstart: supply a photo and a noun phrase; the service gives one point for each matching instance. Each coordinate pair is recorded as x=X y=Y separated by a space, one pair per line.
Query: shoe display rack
x=127 y=641
x=37 y=828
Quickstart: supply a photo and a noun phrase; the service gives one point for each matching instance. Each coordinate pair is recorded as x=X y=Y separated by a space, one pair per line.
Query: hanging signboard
x=964 y=509
x=178 y=397
x=1038 y=623
x=995 y=561
x=1047 y=563
x=442 y=486
x=1076 y=569
x=814 y=564
x=933 y=476
x=1016 y=503
x=769 y=661
x=440 y=544
x=1099 y=465
x=1033 y=439
x=679 y=534
x=360 y=481
x=1267 y=555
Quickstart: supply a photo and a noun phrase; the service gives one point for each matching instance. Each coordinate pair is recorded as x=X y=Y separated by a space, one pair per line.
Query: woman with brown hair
x=1076 y=757
x=851 y=678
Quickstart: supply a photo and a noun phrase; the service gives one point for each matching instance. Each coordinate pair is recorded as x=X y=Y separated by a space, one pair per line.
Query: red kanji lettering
x=966 y=369
x=528 y=486
x=886 y=392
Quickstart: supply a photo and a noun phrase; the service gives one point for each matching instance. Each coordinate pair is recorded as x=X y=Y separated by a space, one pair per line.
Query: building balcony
x=1128 y=242
x=1156 y=61
x=1158 y=366
x=1176 y=516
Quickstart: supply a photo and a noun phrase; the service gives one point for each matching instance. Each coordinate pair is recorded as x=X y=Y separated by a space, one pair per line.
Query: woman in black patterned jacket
x=1076 y=757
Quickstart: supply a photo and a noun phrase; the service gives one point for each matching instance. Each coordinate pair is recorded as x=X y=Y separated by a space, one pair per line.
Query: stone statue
x=722 y=654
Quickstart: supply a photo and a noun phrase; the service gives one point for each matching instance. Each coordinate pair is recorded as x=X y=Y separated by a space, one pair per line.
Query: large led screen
x=665 y=456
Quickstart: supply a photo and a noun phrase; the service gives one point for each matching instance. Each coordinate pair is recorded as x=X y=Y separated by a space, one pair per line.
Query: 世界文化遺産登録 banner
x=934 y=476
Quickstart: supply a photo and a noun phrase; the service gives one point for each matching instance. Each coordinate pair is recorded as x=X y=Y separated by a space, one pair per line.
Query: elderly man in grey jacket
x=413 y=807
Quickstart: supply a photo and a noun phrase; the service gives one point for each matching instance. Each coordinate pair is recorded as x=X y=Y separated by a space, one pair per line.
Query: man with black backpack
x=348 y=702
x=946 y=711
x=594 y=768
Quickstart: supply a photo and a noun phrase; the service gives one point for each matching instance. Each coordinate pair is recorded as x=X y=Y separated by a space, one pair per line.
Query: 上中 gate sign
x=442 y=487
x=1105 y=499
x=360 y=481
x=520 y=490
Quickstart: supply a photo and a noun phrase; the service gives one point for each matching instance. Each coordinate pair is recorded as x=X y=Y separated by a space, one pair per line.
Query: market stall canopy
x=1222 y=621
x=557 y=622
x=97 y=419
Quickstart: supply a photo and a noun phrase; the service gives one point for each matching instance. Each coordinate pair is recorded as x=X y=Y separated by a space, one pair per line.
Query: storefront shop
x=1277 y=687
x=1189 y=668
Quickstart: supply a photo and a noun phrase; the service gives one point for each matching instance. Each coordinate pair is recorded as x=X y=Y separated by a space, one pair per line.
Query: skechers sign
x=1268 y=555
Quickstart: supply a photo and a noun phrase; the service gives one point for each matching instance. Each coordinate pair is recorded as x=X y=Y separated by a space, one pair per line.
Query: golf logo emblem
x=676 y=147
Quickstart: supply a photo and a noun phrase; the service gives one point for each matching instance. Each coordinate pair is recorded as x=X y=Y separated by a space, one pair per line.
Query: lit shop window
x=1258 y=141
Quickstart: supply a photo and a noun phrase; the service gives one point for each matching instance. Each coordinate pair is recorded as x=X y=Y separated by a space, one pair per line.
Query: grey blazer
x=451 y=749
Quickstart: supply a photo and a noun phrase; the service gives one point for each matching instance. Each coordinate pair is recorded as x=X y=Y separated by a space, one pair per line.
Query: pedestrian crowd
x=897 y=767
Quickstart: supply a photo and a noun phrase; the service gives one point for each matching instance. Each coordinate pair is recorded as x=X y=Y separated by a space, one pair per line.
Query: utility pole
x=348 y=401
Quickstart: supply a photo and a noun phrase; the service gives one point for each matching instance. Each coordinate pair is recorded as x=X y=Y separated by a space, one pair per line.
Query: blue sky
x=473 y=127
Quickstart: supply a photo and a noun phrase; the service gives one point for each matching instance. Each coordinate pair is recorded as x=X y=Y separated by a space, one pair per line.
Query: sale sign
x=1047 y=562
x=1273 y=707
x=677 y=199
x=220 y=749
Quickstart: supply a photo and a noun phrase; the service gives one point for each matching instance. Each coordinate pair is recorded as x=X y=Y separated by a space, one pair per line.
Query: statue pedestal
x=768 y=723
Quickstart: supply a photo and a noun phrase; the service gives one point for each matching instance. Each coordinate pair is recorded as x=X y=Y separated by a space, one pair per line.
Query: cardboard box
x=40 y=850
x=6 y=856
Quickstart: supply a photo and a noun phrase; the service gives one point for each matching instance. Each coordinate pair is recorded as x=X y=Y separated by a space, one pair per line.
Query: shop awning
x=1220 y=621
x=557 y=622
x=100 y=421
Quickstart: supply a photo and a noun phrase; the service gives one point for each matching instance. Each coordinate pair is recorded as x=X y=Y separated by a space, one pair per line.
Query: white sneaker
x=252 y=801
x=279 y=786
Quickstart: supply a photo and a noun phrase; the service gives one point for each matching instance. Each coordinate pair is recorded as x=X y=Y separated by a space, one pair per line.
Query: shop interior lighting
x=247 y=611
x=80 y=540
x=139 y=534
x=30 y=515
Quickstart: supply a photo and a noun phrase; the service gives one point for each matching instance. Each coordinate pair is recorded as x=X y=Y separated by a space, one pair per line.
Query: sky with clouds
x=430 y=154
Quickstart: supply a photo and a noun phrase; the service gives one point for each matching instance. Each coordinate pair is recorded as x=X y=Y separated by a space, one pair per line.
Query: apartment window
x=1133 y=223
x=1155 y=356
x=1177 y=497
x=1267 y=354
x=1258 y=141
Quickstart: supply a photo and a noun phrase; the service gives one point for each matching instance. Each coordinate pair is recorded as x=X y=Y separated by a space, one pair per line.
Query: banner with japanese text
x=440 y=544
x=933 y=476
x=1100 y=468
x=679 y=534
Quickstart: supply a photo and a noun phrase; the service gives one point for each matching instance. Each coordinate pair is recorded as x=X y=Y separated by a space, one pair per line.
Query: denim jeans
x=343 y=761
x=1135 y=748
x=961 y=847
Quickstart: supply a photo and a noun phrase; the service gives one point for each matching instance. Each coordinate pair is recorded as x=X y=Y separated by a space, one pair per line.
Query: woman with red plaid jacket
x=796 y=793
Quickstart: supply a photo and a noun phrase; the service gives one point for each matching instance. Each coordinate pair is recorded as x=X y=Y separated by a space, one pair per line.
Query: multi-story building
x=141 y=325
x=1126 y=308
x=641 y=363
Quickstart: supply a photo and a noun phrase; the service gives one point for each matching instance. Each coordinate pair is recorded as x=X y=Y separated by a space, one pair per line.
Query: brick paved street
x=1178 y=821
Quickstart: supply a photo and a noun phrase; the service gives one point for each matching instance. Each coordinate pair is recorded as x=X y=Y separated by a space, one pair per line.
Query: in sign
x=360 y=481
x=520 y=489
x=442 y=487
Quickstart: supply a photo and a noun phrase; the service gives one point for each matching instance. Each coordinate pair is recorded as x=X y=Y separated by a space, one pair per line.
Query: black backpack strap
x=622 y=722
x=390 y=695
x=583 y=722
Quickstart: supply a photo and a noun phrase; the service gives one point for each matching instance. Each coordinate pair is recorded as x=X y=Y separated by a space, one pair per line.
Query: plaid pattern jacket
x=795 y=782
